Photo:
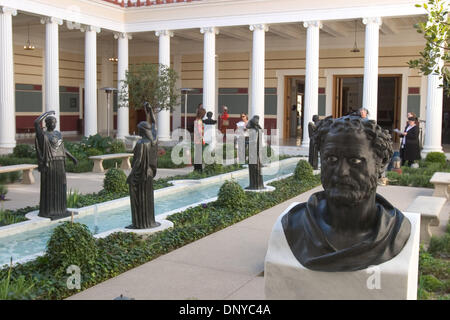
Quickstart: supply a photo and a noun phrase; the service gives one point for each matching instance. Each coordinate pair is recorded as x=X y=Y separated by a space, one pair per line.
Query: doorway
x=348 y=92
x=294 y=87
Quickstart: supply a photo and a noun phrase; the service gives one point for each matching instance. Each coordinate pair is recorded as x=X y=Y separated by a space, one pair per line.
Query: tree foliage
x=152 y=83
x=436 y=33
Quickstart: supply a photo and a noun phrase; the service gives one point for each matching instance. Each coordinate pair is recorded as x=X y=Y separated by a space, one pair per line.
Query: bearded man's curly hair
x=380 y=138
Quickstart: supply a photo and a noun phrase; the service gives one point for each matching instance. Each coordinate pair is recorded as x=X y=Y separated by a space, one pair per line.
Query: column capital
x=122 y=35
x=316 y=24
x=209 y=30
x=71 y=25
x=164 y=33
x=86 y=28
x=263 y=27
x=45 y=20
x=370 y=20
x=8 y=10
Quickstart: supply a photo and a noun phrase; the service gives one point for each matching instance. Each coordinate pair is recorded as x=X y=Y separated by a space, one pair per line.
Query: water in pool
x=19 y=246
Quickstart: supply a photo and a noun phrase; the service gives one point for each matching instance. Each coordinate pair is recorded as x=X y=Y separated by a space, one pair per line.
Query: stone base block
x=396 y=279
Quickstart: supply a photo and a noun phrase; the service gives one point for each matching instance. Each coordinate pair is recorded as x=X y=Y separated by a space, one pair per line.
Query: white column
x=176 y=113
x=122 y=67
x=7 y=101
x=90 y=80
x=311 y=76
x=209 y=68
x=258 y=71
x=51 y=73
x=164 y=58
x=433 y=124
x=370 y=90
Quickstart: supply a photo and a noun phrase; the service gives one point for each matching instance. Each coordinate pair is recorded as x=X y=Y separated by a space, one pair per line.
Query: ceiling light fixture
x=28 y=45
x=355 y=46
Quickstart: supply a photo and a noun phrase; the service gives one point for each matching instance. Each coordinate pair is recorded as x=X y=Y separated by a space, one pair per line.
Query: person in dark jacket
x=409 y=148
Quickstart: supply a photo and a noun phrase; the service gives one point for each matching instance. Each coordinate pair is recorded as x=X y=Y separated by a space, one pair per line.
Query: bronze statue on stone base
x=254 y=166
x=51 y=156
x=143 y=171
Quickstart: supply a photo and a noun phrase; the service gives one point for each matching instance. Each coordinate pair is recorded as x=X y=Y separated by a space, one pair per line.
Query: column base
x=428 y=149
x=305 y=144
x=7 y=149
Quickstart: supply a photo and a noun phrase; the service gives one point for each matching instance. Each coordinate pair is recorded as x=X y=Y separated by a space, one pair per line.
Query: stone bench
x=98 y=161
x=441 y=181
x=26 y=168
x=429 y=209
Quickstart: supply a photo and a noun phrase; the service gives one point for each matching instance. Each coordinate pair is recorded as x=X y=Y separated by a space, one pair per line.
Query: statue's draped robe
x=303 y=228
x=313 y=158
x=140 y=183
x=51 y=160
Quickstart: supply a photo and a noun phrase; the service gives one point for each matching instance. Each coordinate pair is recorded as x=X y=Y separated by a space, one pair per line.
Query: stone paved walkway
x=225 y=265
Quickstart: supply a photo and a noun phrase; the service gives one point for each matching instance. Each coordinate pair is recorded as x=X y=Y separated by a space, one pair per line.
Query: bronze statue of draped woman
x=143 y=171
x=51 y=156
x=313 y=158
x=254 y=166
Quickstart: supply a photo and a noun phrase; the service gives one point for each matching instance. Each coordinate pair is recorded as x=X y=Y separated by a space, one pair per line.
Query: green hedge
x=417 y=177
x=434 y=269
x=120 y=252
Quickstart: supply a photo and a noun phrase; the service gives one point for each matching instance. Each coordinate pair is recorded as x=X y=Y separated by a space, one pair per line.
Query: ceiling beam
x=240 y=33
x=387 y=27
x=286 y=31
x=334 y=29
x=194 y=35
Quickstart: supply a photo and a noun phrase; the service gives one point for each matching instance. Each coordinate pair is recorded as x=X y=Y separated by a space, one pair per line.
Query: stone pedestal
x=396 y=279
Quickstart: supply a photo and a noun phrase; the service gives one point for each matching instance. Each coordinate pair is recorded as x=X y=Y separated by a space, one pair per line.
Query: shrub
x=73 y=198
x=72 y=244
x=24 y=151
x=83 y=165
x=440 y=246
x=117 y=146
x=115 y=181
x=213 y=168
x=14 y=289
x=231 y=195
x=93 y=152
x=10 y=177
x=431 y=283
x=97 y=142
x=303 y=170
x=436 y=157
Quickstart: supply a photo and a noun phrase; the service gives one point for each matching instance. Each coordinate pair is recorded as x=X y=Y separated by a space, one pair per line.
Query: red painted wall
x=26 y=123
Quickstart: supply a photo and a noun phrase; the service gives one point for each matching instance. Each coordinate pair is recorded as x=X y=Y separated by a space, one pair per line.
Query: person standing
x=225 y=120
x=199 y=140
x=409 y=148
x=242 y=137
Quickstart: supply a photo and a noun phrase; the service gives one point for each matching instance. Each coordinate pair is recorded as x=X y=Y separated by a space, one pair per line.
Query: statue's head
x=209 y=114
x=253 y=123
x=50 y=123
x=354 y=153
x=145 y=130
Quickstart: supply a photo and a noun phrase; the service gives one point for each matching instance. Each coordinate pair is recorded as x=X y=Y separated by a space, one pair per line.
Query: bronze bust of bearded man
x=348 y=226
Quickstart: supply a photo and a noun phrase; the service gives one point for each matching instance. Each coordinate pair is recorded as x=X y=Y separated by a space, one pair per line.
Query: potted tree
x=151 y=83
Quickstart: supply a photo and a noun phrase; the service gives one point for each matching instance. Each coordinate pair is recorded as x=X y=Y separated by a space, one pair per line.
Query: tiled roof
x=144 y=3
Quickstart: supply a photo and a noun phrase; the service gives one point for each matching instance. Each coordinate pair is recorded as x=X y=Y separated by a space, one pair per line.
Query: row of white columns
x=370 y=91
